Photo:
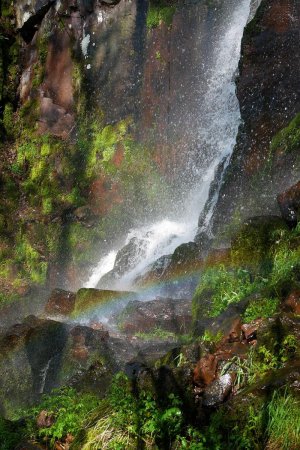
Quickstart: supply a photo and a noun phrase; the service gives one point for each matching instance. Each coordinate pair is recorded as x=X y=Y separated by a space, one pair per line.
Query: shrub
x=69 y=409
x=126 y=419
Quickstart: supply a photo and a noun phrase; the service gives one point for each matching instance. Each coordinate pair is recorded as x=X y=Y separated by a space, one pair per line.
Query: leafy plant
x=69 y=410
x=125 y=419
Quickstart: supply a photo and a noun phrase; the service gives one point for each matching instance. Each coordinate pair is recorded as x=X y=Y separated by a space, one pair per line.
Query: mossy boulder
x=90 y=299
x=250 y=247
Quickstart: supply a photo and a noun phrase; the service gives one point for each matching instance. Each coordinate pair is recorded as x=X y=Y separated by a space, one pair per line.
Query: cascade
x=218 y=119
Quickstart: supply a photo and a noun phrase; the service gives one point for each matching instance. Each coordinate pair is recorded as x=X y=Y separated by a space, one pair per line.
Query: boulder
x=88 y=300
x=289 y=204
x=45 y=419
x=167 y=314
x=60 y=302
x=218 y=390
x=250 y=329
x=205 y=370
x=29 y=14
x=292 y=302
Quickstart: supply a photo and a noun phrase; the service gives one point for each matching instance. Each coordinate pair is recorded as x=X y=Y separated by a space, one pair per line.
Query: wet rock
x=186 y=253
x=269 y=100
x=218 y=390
x=234 y=334
x=29 y=15
x=292 y=302
x=45 y=419
x=88 y=299
x=205 y=370
x=250 y=329
x=109 y=2
x=54 y=118
x=167 y=314
x=289 y=204
x=85 y=215
x=155 y=271
x=60 y=302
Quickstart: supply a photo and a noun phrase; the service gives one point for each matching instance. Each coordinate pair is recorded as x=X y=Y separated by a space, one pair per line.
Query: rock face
x=289 y=204
x=60 y=302
x=267 y=89
x=170 y=315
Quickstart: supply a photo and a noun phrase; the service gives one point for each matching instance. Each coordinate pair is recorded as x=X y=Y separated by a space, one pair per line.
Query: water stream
x=217 y=125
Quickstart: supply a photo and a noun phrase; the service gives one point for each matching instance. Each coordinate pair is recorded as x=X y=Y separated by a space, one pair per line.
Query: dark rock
x=110 y=2
x=168 y=314
x=292 y=302
x=289 y=204
x=269 y=99
x=60 y=302
x=218 y=390
x=186 y=253
x=250 y=329
x=29 y=16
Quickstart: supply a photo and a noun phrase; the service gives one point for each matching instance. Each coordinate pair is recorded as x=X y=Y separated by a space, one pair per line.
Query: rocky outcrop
x=267 y=89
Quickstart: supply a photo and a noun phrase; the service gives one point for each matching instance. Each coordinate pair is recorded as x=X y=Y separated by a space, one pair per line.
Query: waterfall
x=43 y=376
x=217 y=126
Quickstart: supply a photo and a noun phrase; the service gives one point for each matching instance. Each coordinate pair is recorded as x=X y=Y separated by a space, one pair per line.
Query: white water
x=105 y=265
x=219 y=118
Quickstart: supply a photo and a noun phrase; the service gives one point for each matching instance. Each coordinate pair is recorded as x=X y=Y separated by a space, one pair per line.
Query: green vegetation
x=226 y=285
x=67 y=408
x=9 y=435
x=283 y=421
x=255 y=423
x=261 y=308
x=211 y=338
x=157 y=333
x=120 y=422
x=268 y=268
x=160 y=11
x=287 y=139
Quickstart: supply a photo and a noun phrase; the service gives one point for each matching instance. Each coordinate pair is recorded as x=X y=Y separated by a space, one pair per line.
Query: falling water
x=219 y=119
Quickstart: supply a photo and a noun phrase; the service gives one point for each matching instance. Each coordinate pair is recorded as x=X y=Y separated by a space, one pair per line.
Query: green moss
x=287 y=139
x=160 y=12
x=157 y=333
x=8 y=120
x=33 y=264
x=251 y=245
